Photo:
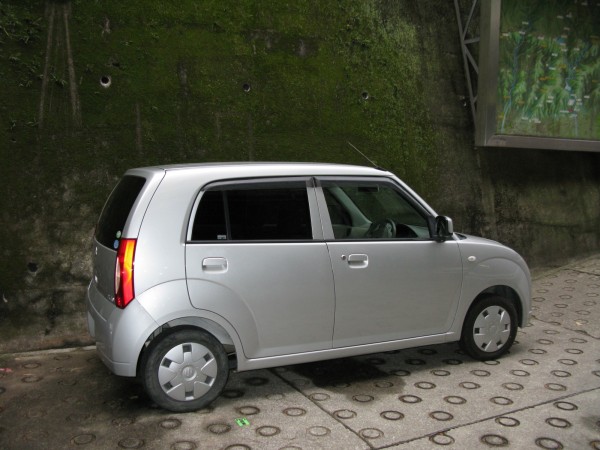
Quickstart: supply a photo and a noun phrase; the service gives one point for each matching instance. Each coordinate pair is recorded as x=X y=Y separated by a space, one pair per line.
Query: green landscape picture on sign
x=549 y=69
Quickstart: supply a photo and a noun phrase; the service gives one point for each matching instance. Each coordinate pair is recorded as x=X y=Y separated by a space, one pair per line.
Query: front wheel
x=185 y=370
x=489 y=329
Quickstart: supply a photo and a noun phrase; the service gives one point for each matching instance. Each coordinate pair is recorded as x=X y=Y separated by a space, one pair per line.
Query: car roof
x=271 y=169
x=205 y=173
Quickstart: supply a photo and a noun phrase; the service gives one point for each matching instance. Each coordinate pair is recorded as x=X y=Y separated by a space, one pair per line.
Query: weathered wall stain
x=93 y=88
x=58 y=64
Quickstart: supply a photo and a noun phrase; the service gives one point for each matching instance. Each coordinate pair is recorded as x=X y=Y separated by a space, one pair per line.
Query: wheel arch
x=192 y=323
x=501 y=290
x=506 y=292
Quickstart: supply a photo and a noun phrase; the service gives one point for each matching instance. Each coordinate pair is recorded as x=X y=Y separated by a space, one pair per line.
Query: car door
x=256 y=257
x=392 y=280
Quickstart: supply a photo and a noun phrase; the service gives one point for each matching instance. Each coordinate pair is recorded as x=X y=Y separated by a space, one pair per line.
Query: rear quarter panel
x=169 y=303
x=160 y=271
x=160 y=250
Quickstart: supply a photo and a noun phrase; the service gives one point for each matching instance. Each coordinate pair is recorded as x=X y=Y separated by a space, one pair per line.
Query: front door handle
x=214 y=265
x=356 y=260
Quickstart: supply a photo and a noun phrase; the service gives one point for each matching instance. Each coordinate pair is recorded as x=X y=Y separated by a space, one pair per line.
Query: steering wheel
x=384 y=228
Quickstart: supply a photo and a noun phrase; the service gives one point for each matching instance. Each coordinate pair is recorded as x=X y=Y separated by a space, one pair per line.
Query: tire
x=489 y=329
x=185 y=370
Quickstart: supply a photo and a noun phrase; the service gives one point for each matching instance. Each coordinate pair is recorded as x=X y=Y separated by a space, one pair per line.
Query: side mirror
x=443 y=228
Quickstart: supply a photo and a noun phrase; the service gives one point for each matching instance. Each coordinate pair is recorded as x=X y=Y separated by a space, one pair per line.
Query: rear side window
x=269 y=211
x=117 y=209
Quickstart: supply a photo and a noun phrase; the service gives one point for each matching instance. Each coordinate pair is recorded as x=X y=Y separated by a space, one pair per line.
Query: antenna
x=364 y=156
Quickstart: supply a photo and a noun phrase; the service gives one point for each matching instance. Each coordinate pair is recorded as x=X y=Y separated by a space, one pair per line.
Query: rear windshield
x=117 y=208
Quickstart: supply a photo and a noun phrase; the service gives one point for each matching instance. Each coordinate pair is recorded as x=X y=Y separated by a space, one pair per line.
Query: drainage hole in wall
x=105 y=81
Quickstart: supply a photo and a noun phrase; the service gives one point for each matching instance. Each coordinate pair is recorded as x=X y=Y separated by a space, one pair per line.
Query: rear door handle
x=214 y=265
x=356 y=260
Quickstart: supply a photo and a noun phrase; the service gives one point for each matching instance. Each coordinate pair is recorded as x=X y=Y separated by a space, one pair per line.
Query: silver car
x=199 y=269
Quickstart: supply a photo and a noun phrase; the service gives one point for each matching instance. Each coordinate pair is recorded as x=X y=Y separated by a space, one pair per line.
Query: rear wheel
x=490 y=328
x=185 y=370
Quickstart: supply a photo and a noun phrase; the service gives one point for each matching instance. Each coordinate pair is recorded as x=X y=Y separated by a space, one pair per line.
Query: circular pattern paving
x=184 y=445
x=410 y=399
x=319 y=397
x=442 y=439
x=83 y=439
x=371 y=399
x=507 y=421
x=292 y=412
x=319 y=431
x=442 y=416
x=494 y=440
x=548 y=443
x=371 y=433
x=558 y=422
x=455 y=400
x=392 y=415
x=248 y=410
x=268 y=430
x=170 y=424
x=131 y=442
x=345 y=414
x=219 y=428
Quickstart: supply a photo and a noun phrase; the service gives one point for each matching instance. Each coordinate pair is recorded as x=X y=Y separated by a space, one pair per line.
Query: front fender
x=484 y=274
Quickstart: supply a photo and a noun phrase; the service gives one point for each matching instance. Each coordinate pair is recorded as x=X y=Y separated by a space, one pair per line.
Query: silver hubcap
x=187 y=371
x=491 y=329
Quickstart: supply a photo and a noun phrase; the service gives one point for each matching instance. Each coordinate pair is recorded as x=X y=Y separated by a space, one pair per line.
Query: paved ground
x=544 y=394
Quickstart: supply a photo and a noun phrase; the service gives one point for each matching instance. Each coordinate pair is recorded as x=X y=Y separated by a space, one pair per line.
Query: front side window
x=372 y=210
x=256 y=211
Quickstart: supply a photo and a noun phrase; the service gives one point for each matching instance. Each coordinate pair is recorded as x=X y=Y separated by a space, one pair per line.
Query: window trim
x=224 y=185
x=326 y=219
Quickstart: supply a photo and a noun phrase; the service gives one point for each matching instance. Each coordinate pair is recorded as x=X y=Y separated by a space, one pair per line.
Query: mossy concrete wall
x=91 y=88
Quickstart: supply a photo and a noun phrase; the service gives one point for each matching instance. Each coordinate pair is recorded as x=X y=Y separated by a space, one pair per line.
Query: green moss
x=307 y=77
x=177 y=72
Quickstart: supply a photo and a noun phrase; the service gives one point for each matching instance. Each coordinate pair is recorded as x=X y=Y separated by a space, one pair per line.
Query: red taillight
x=124 y=292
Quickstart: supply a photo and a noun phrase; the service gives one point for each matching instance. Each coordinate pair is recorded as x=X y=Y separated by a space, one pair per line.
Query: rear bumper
x=120 y=334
